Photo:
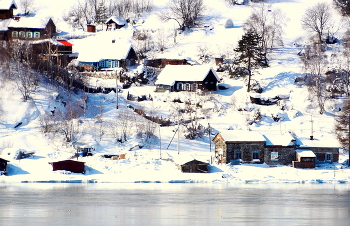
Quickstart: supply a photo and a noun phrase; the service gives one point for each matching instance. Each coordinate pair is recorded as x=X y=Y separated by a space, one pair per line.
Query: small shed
x=91 y=28
x=115 y=22
x=195 y=166
x=68 y=165
x=304 y=159
x=3 y=166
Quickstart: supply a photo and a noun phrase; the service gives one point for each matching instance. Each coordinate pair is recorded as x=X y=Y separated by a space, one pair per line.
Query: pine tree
x=342 y=127
x=250 y=56
x=101 y=13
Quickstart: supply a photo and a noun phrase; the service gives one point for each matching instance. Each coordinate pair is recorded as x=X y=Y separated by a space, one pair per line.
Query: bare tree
x=22 y=57
x=187 y=13
x=342 y=127
x=317 y=19
x=268 y=23
x=26 y=5
x=315 y=66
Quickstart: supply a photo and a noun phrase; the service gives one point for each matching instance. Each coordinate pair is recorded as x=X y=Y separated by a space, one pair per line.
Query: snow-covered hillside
x=152 y=159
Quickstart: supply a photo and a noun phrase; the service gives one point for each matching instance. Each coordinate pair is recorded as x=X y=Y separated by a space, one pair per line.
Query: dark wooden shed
x=304 y=159
x=195 y=166
x=3 y=166
x=69 y=165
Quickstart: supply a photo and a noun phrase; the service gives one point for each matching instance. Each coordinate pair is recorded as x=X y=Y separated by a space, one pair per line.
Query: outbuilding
x=187 y=78
x=3 y=166
x=304 y=159
x=195 y=166
x=68 y=165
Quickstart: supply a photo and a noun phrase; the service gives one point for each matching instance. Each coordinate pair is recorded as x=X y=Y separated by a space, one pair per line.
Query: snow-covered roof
x=30 y=22
x=242 y=136
x=322 y=142
x=92 y=50
x=4 y=24
x=172 y=73
x=7 y=4
x=117 y=20
x=305 y=153
x=53 y=41
x=285 y=139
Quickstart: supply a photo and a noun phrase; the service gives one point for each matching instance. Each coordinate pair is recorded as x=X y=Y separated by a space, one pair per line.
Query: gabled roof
x=4 y=24
x=7 y=4
x=285 y=139
x=305 y=153
x=30 y=22
x=172 y=73
x=319 y=142
x=94 y=50
x=117 y=20
x=241 y=136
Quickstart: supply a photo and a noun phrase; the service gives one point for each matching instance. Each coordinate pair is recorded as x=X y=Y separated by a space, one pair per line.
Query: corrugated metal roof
x=64 y=42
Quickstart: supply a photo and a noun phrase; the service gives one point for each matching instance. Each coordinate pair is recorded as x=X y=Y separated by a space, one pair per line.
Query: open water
x=174 y=204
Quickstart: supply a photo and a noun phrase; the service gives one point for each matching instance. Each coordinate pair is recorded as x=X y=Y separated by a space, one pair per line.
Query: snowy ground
x=153 y=163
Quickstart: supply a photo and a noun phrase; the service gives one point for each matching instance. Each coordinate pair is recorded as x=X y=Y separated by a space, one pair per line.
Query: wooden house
x=68 y=165
x=105 y=56
x=244 y=146
x=187 y=78
x=3 y=166
x=31 y=28
x=304 y=159
x=6 y=8
x=115 y=22
x=60 y=51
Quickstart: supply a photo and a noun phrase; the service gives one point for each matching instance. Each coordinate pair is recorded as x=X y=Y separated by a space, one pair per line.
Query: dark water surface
x=174 y=204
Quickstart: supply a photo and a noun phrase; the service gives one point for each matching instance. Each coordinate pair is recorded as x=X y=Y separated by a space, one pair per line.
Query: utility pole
x=160 y=144
x=116 y=86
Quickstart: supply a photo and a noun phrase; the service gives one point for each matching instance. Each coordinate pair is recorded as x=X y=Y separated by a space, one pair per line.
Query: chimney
x=311 y=137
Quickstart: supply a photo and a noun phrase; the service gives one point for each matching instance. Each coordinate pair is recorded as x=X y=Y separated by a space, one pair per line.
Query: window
x=37 y=34
x=29 y=34
x=238 y=155
x=22 y=34
x=328 y=157
x=15 y=34
x=274 y=156
x=179 y=86
x=102 y=63
x=255 y=155
x=188 y=86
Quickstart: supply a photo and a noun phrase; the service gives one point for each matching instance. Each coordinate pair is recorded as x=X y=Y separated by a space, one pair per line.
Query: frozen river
x=174 y=204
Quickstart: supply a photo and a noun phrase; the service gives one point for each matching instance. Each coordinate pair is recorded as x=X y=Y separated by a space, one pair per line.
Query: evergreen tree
x=342 y=127
x=101 y=13
x=250 y=55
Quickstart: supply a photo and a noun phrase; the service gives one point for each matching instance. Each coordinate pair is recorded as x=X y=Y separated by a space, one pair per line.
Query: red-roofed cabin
x=61 y=50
